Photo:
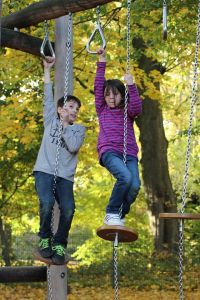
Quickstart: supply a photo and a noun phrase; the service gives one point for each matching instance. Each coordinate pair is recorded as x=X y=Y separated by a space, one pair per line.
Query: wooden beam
x=23 y=42
x=47 y=10
x=58 y=282
x=23 y=274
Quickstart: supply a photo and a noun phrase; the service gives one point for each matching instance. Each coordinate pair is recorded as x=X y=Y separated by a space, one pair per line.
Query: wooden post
x=59 y=273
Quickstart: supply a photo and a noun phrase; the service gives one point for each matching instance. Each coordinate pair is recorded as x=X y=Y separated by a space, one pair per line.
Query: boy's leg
x=115 y=165
x=44 y=188
x=65 y=199
x=132 y=165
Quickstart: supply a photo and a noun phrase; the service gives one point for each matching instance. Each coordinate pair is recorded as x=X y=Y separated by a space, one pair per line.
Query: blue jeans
x=128 y=183
x=65 y=199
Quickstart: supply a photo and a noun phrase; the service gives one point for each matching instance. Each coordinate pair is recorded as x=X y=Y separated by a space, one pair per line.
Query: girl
x=109 y=103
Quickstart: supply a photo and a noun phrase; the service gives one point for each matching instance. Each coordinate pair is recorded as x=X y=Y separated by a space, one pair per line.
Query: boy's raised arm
x=47 y=68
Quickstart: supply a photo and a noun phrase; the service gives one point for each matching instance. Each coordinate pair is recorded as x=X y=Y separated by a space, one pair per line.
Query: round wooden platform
x=179 y=216
x=47 y=260
x=125 y=234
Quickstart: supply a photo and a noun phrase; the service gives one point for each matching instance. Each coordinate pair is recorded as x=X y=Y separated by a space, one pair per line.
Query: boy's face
x=69 y=113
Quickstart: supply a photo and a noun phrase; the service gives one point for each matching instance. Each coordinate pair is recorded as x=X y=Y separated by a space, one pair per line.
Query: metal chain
x=45 y=27
x=191 y=113
x=115 y=245
x=181 y=259
x=66 y=83
x=187 y=161
x=128 y=32
x=115 y=273
x=98 y=13
x=65 y=100
x=125 y=144
x=126 y=89
x=49 y=282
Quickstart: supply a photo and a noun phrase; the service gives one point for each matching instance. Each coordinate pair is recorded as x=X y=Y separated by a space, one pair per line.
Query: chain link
x=115 y=272
x=191 y=113
x=65 y=99
x=66 y=85
x=45 y=27
x=125 y=140
x=128 y=32
x=126 y=90
x=98 y=13
x=187 y=160
x=49 y=282
x=115 y=245
x=181 y=259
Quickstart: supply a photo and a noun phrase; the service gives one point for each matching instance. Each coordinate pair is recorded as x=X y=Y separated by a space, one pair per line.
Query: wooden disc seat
x=47 y=260
x=184 y=216
x=125 y=234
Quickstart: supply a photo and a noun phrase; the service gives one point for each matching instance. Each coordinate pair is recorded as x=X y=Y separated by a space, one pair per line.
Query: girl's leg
x=115 y=165
x=65 y=199
x=44 y=188
x=132 y=165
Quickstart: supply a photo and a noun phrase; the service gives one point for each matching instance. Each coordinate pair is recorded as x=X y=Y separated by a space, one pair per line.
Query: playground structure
x=117 y=234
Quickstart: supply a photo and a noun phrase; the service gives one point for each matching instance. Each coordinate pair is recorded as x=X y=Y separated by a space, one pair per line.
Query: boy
x=72 y=138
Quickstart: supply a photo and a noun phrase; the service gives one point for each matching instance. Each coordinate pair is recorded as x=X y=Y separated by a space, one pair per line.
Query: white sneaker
x=123 y=220
x=113 y=219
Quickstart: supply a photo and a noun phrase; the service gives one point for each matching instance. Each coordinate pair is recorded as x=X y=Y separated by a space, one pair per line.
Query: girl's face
x=112 y=99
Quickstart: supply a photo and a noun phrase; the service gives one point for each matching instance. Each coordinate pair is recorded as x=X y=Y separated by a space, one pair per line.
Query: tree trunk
x=0 y=22
x=6 y=242
x=158 y=188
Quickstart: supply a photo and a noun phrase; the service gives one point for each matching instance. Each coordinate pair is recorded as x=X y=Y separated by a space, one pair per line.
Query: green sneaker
x=45 y=247
x=59 y=255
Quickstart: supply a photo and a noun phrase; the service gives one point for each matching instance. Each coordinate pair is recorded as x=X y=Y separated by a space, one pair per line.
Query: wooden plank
x=185 y=216
x=47 y=260
x=23 y=274
x=125 y=234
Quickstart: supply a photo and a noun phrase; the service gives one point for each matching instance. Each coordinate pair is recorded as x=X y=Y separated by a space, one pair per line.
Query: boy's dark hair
x=60 y=102
x=114 y=84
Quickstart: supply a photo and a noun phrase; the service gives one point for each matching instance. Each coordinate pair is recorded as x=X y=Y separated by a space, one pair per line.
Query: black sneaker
x=45 y=247
x=59 y=255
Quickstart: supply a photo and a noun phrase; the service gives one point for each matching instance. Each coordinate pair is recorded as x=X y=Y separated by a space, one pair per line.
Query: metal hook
x=164 y=20
x=46 y=40
x=97 y=29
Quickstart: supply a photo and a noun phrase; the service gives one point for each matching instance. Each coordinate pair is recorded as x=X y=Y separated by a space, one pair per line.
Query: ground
x=95 y=293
